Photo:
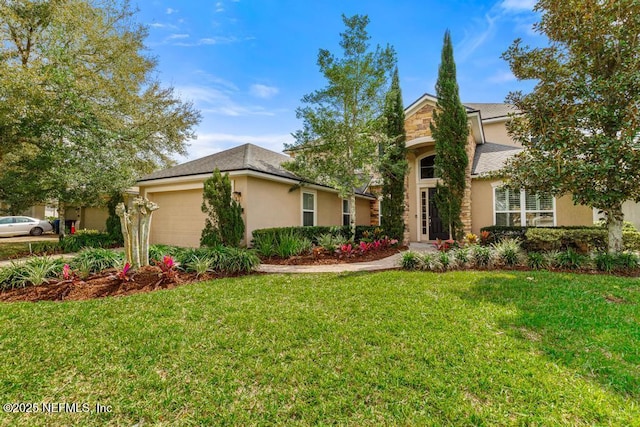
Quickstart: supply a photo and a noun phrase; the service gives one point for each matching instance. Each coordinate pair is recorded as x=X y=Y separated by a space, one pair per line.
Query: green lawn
x=13 y=249
x=461 y=348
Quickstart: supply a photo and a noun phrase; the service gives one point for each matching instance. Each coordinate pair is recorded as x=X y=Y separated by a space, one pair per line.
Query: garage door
x=179 y=220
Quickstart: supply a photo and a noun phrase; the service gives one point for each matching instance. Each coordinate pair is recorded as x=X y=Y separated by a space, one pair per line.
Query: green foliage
x=586 y=80
x=33 y=272
x=221 y=259
x=631 y=240
x=94 y=260
x=289 y=244
x=238 y=260
x=536 y=261
x=114 y=229
x=571 y=260
x=86 y=239
x=393 y=164
x=507 y=252
x=312 y=233
x=410 y=260
x=265 y=244
x=343 y=122
x=450 y=131
x=224 y=223
x=199 y=265
x=462 y=256
x=430 y=261
x=157 y=252
x=612 y=262
x=81 y=114
x=481 y=256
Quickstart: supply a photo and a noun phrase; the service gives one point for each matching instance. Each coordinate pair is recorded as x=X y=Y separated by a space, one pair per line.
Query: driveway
x=26 y=239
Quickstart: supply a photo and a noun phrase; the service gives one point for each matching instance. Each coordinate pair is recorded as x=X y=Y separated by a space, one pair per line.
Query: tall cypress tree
x=393 y=166
x=450 y=131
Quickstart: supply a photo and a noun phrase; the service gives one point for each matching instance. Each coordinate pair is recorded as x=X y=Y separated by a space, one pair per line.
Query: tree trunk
x=352 y=214
x=614 y=226
x=61 y=220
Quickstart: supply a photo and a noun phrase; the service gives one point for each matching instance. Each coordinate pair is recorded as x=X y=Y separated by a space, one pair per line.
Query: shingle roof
x=492 y=110
x=491 y=157
x=243 y=157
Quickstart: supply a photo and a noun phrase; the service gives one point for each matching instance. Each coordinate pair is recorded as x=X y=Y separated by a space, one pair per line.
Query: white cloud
x=209 y=41
x=171 y=11
x=178 y=36
x=211 y=143
x=161 y=25
x=214 y=100
x=263 y=91
x=502 y=76
x=517 y=5
x=219 y=7
x=473 y=41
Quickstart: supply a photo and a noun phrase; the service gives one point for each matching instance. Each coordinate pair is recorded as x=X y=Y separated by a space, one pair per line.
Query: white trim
x=343 y=213
x=419 y=141
x=523 y=207
x=315 y=206
x=413 y=108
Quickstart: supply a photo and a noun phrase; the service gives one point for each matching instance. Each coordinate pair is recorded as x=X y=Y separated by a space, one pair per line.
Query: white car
x=23 y=225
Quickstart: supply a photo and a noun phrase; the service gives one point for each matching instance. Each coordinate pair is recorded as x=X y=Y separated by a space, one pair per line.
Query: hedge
x=582 y=239
x=312 y=233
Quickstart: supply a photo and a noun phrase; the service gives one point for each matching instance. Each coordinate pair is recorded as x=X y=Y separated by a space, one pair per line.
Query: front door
x=431 y=226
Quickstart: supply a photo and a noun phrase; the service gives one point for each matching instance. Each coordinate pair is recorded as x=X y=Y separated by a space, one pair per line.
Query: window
x=427 y=169
x=6 y=220
x=308 y=209
x=346 y=213
x=521 y=208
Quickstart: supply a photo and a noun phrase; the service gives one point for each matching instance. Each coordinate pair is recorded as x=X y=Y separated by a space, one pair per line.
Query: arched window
x=427 y=167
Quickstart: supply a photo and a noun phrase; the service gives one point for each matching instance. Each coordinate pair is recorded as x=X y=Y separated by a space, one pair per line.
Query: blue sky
x=247 y=63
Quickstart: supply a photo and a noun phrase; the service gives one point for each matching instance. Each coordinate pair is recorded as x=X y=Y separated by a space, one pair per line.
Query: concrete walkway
x=389 y=263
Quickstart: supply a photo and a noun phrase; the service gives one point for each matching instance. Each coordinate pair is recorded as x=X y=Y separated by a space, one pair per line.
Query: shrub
x=615 y=262
x=570 y=260
x=289 y=245
x=157 y=252
x=238 y=260
x=265 y=244
x=507 y=252
x=33 y=272
x=481 y=256
x=224 y=223
x=631 y=239
x=312 y=233
x=551 y=258
x=497 y=233
x=536 y=260
x=86 y=239
x=329 y=242
x=93 y=260
x=410 y=260
x=430 y=261
x=628 y=260
x=199 y=265
x=462 y=256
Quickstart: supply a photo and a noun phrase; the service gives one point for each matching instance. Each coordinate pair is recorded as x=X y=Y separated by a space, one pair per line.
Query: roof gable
x=242 y=157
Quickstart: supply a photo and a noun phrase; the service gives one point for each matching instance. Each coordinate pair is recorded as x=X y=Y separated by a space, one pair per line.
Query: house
x=273 y=197
x=269 y=195
x=485 y=202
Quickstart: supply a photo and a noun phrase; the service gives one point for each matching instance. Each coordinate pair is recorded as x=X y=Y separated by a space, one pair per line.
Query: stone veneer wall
x=418 y=126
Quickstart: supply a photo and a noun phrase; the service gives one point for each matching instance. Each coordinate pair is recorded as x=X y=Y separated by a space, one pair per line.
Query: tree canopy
x=342 y=122
x=81 y=115
x=581 y=123
x=393 y=166
x=450 y=130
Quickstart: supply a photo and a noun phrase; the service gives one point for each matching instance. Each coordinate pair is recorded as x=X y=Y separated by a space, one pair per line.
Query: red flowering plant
x=446 y=245
x=347 y=250
x=67 y=273
x=168 y=267
x=124 y=274
x=484 y=236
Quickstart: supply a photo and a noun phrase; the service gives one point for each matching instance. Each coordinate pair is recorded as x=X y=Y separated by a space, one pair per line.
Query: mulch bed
x=105 y=284
x=322 y=258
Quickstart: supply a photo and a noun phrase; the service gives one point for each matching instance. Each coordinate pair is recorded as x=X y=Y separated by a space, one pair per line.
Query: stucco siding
x=269 y=204
x=497 y=132
x=178 y=220
x=363 y=212
x=481 y=204
x=94 y=218
x=570 y=214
